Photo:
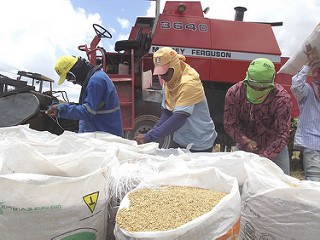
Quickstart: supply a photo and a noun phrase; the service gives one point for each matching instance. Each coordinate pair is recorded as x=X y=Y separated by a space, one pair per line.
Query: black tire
x=142 y=125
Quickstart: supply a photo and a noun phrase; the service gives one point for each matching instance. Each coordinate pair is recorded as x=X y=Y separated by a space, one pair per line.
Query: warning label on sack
x=91 y=200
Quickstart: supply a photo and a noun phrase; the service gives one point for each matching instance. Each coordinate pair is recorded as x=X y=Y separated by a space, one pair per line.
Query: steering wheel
x=101 y=31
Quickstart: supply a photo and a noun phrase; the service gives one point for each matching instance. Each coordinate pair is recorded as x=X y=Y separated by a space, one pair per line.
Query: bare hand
x=311 y=54
x=52 y=111
x=139 y=138
x=252 y=146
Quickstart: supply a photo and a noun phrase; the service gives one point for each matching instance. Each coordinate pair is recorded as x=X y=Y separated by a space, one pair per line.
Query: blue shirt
x=199 y=129
x=100 y=109
x=308 y=130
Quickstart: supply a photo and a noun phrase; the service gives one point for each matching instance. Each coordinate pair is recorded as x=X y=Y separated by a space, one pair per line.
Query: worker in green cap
x=257 y=114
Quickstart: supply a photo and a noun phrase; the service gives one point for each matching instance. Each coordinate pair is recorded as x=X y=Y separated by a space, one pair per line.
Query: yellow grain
x=164 y=208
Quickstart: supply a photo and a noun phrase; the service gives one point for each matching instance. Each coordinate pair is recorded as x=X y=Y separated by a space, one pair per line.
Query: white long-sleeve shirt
x=308 y=129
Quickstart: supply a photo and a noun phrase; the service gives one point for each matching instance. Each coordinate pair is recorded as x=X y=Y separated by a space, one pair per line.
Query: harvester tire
x=142 y=125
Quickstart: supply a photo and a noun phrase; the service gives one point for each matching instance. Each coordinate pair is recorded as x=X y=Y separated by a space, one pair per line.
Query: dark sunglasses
x=71 y=77
x=260 y=84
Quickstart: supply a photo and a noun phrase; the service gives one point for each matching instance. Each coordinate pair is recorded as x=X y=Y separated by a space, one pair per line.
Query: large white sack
x=60 y=178
x=133 y=166
x=73 y=142
x=211 y=225
x=24 y=132
x=294 y=64
x=61 y=156
x=279 y=206
x=41 y=207
x=230 y=163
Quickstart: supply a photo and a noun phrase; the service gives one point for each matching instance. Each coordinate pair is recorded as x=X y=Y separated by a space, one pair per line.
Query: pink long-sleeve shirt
x=267 y=123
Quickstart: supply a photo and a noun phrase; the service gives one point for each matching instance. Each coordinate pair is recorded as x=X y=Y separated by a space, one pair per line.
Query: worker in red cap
x=257 y=114
x=185 y=111
x=307 y=136
x=98 y=108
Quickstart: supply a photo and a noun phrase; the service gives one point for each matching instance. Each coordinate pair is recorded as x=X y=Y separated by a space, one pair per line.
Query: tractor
x=220 y=50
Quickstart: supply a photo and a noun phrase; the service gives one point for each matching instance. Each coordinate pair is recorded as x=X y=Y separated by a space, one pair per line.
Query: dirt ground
x=297 y=174
x=296 y=167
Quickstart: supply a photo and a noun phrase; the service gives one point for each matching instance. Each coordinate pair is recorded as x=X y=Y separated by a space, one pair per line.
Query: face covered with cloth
x=181 y=83
x=259 y=80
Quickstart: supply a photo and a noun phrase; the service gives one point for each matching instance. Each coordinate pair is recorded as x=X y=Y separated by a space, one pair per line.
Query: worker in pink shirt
x=257 y=114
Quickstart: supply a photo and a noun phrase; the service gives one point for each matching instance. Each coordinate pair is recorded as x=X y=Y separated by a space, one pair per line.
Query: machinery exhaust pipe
x=239 y=13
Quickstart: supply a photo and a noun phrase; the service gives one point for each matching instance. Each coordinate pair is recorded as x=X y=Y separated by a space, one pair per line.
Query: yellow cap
x=162 y=58
x=63 y=66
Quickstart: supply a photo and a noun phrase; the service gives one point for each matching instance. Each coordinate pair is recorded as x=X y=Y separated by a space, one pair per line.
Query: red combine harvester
x=220 y=50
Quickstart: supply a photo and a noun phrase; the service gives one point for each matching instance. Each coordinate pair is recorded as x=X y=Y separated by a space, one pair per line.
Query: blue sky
x=117 y=15
x=34 y=33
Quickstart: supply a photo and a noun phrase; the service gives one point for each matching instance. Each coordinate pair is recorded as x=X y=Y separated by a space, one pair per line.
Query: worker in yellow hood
x=185 y=109
x=184 y=86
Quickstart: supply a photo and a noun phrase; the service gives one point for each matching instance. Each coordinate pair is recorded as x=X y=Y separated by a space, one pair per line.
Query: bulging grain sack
x=55 y=187
x=279 y=208
x=294 y=64
x=39 y=207
x=202 y=222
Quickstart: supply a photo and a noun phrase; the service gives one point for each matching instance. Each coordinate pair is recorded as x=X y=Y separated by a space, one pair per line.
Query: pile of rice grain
x=165 y=208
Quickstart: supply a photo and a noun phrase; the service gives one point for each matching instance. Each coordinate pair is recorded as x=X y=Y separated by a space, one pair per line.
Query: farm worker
x=257 y=114
x=98 y=108
x=185 y=112
x=307 y=136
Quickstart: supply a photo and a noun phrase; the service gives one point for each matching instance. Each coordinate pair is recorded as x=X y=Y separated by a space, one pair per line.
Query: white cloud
x=123 y=22
x=35 y=33
x=111 y=30
x=123 y=37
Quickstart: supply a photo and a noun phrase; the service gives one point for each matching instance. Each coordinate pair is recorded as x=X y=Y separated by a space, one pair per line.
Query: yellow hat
x=63 y=66
x=162 y=59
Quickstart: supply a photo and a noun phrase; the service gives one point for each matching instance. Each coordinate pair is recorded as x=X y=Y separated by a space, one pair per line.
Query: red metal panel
x=194 y=32
x=201 y=65
x=230 y=71
x=285 y=80
x=243 y=37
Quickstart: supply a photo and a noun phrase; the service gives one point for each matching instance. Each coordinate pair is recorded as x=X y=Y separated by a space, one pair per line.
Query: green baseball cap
x=262 y=71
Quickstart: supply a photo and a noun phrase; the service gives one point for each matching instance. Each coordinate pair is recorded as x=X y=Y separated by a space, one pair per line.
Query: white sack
x=61 y=156
x=24 y=132
x=53 y=187
x=295 y=63
x=210 y=225
x=40 y=207
x=279 y=206
x=230 y=163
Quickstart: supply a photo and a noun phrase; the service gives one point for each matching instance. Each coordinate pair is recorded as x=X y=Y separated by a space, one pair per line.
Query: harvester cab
x=220 y=50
